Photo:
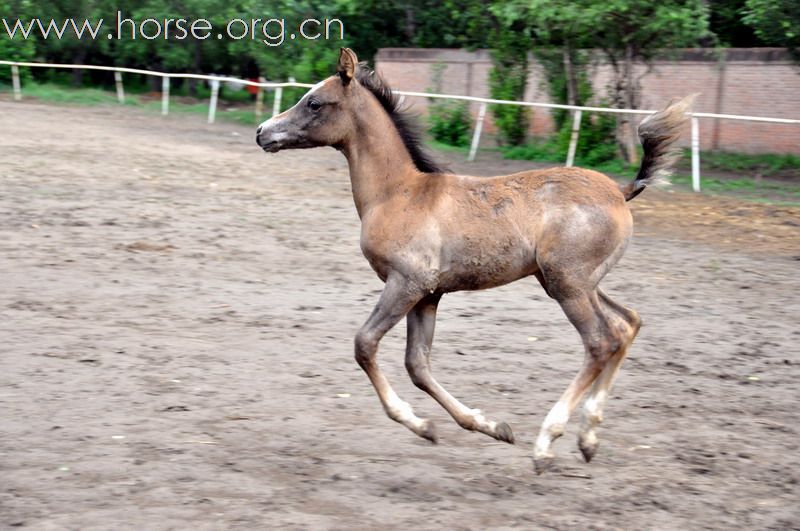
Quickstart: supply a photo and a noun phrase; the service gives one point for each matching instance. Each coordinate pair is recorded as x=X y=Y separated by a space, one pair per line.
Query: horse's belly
x=487 y=267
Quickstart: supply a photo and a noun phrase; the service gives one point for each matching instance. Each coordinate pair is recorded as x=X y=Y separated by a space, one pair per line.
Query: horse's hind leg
x=421 y=322
x=395 y=302
x=627 y=322
x=601 y=340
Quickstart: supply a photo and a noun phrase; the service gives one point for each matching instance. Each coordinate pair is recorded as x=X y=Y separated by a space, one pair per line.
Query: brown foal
x=427 y=232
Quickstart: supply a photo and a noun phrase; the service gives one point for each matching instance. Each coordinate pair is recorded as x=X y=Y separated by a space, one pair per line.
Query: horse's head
x=321 y=118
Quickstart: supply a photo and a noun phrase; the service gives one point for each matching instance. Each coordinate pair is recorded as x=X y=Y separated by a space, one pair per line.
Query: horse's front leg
x=421 y=323
x=398 y=297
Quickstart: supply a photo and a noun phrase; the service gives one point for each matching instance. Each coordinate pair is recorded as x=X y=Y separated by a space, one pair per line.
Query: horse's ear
x=348 y=62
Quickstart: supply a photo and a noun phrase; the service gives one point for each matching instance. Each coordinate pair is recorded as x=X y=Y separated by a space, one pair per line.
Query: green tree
x=623 y=31
x=510 y=48
x=776 y=22
x=726 y=23
x=373 y=24
x=17 y=49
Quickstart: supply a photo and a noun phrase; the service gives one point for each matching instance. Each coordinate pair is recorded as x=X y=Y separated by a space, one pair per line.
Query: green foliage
x=597 y=141
x=373 y=24
x=447 y=148
x=774 y=192
x=552 y=62
x=368 y=24
x=596 y=144
x=508 y=79
x=641 y=27
x=60 y=94
x=15 y=51
x=776 y=22
x=550 y=21
x=540 y=150
x=624 y=31
x=766 y=164
x=550 y=150
x=450 y=122
x=57 y=93
x=508 y=83
x=512 y=28
x=725 y=21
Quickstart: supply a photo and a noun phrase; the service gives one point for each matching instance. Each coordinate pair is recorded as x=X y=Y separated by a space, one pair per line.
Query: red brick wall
x=753 y=82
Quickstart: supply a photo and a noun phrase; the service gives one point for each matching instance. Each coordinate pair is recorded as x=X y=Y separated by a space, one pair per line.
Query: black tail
x=658 y=132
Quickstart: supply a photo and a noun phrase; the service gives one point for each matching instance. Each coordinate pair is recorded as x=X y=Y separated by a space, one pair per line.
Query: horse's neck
x=380 y=164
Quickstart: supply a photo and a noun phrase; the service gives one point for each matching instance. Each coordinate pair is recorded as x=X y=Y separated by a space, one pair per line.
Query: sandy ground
x=176 y=321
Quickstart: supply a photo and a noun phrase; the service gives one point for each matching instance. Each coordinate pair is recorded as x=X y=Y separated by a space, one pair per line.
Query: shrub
x=450 y=122
x=597 y=143
x=508 y=83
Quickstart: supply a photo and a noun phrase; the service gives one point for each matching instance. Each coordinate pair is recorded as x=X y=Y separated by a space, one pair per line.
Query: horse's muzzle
x=268 y=139
x=269 y=147
x=267 y=144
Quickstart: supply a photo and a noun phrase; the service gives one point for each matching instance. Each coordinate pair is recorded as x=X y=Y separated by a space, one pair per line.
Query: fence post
x=15 y=83
x=165 y=95
x=276 y=104
x=573 y=139
x=212 y=105
x=120 y=88
x=291 y=80
x=695 y=154
x=476 y=137
x=260 y=101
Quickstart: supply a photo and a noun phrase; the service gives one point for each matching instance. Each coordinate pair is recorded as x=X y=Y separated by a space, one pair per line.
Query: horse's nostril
x=258 y=131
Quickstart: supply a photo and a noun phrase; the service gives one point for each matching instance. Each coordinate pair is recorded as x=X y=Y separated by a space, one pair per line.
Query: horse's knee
x=598 y=351
x=417 y=367
x=629 y=321
x=635 y=323
x=602 y=348
x=628 y=327
x=365 y=347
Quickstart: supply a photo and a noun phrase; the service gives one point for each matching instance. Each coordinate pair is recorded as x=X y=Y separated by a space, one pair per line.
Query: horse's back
x=575 y=220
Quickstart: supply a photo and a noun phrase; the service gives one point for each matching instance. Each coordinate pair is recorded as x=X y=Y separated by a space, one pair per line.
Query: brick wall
x=754 y=82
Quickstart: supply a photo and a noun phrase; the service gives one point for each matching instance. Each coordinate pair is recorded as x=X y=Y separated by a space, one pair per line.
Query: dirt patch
x=176 y=335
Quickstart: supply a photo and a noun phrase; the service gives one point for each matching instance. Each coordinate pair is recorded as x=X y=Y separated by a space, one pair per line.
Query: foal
x=427 y=232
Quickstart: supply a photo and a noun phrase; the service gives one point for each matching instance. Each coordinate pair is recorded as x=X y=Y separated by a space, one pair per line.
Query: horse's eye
x=314 y=105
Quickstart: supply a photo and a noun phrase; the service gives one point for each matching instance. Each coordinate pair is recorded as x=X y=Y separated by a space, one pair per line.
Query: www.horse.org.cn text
x=270 y=31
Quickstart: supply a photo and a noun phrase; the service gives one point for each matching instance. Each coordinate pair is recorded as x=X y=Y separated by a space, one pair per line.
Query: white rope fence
x=476 y=137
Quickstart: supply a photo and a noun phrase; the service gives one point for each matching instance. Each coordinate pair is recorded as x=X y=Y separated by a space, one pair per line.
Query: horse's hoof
x=503 y=433
x=428 y=431
x=541 y=464
x=588 y=450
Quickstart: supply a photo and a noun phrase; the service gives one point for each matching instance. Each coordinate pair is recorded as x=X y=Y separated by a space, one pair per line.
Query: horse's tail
x=658 y=132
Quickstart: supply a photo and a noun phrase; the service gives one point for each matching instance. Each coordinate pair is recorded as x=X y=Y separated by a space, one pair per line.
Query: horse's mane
x=406 y=123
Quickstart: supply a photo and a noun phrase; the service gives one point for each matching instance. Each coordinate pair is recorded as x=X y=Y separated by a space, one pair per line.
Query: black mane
x=406 y=124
